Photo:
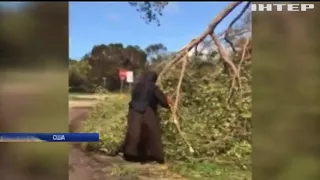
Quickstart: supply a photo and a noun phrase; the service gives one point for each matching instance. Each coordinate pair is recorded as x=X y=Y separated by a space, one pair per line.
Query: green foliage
x=217 y=129
x=80 y=68
x=208 y=171
x=156 y=52
x=151 y=10
x=100 y=67
x=79 y=75
x=212 y=125
x=109 y=119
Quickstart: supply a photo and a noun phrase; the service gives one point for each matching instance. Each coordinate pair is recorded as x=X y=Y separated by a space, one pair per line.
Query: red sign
x=123 y=74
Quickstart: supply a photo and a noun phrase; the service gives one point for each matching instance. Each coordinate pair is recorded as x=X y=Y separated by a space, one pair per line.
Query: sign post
x=104 y=82
x=122 y=76
x=129 y=78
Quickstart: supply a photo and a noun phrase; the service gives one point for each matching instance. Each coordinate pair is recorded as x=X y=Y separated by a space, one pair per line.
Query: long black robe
x=143 y=138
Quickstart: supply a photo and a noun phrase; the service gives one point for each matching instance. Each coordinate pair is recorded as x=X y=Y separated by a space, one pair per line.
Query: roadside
x=94 y=166
x=80 y=167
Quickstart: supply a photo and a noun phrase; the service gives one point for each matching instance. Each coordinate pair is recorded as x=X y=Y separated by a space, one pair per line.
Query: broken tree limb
x=176 y=103
x=226 y=58
x=227 y=37
x=182 y=56
x=240 y=63
x=215 y=22
x=223 y=53
x=184 y=65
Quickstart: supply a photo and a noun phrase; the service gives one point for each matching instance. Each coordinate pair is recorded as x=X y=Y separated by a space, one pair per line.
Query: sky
x=95 y=23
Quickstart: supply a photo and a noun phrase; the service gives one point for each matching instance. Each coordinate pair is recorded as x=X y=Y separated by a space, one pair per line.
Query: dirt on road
x=82 y=166
x=93 y=166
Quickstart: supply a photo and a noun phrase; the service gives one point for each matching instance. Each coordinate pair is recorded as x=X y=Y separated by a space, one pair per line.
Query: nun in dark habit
x=143 y=138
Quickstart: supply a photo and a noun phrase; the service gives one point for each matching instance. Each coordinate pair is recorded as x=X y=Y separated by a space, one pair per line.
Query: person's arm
x=162 y=98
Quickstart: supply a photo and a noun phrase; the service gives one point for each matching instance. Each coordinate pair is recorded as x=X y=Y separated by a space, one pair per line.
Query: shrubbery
x=217 y=129
x=212 y=125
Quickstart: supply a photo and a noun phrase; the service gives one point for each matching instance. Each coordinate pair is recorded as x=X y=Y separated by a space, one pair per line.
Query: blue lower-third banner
x=49 y=137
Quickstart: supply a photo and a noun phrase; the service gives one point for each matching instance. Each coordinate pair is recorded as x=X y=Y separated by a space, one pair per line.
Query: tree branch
x=215 y=22
x=227 y=37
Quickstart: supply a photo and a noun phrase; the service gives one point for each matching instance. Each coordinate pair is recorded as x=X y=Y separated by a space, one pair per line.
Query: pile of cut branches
x=214 y=107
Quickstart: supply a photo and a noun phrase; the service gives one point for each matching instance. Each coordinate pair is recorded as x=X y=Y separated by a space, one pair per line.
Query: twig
x=197 y=51
x=215 y=22
x=226 y=37
x=225 y=56
x=168 y=65
x=175 y=107
x=185 y=60
x=240 y=63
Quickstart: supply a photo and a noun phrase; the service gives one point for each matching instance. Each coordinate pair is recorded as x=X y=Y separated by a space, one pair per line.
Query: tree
x=105 y=61
x=79 y=75
x=136 y=58
x=150 y=9
x=156 y=52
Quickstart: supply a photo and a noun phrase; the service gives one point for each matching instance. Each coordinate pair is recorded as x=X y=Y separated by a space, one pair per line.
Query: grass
x=88 y=96
x=210 y=170
x=141 y=172
x=81 y=96
x=76 y=98
x=108 y=117
x=181 y=171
